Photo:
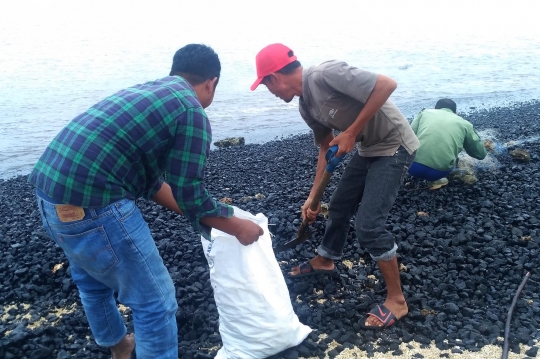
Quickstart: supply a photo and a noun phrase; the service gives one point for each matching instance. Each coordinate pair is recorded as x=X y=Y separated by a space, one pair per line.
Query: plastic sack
x=256 y=318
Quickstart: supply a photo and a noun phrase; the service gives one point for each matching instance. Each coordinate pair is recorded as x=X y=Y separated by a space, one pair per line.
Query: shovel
x=303 y=234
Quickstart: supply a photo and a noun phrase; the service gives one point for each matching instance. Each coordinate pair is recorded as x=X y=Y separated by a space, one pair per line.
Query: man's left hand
x=345 y=142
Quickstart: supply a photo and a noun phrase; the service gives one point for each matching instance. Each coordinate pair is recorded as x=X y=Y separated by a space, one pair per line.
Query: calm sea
x=59 y=57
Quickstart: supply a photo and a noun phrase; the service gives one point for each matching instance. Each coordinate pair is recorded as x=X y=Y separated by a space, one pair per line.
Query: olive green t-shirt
x=334 y=93
x=443 y=135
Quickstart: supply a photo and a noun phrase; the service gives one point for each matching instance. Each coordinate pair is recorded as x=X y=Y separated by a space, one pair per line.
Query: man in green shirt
x=442 y=135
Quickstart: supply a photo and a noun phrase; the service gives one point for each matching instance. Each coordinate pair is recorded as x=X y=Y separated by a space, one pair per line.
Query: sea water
x=59 y=57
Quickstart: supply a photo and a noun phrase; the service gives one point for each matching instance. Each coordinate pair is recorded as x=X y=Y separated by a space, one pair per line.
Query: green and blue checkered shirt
x=123 y=145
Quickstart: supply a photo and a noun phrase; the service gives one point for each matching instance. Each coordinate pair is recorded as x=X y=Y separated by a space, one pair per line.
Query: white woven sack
x=256 y=318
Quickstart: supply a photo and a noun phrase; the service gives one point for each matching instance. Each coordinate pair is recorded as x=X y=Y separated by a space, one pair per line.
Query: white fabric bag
x=256 y=318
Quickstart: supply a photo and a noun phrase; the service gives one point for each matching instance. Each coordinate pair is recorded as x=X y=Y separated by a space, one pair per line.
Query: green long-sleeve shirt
x=442 y=135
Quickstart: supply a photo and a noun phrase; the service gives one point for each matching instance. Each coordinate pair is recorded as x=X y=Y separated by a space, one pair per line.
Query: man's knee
x=384 y=256
x=379 y=243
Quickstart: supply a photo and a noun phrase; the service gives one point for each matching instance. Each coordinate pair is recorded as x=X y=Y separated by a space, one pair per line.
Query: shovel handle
x=314 y=205
x=320 y=190
x=315 y=201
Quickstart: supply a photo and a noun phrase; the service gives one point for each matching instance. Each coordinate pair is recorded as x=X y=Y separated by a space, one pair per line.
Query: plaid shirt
x=121 y=147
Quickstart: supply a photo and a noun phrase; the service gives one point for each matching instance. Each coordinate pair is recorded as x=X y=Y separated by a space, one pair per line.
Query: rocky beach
x=463 y=251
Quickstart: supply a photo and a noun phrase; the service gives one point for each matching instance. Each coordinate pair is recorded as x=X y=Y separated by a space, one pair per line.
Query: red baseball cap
x=270 y=59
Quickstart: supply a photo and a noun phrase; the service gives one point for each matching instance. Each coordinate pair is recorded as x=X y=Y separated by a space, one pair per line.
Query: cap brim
x=256 y=83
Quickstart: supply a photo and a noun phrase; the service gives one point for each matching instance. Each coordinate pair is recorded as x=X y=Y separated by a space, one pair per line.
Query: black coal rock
x=461 y=263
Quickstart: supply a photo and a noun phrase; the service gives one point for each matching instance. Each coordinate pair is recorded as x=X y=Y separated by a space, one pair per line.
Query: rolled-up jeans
x=369 y=186
x=111 y=251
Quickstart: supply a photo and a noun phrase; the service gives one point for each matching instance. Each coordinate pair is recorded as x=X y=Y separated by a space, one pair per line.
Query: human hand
x=248 y=232
x=308 y=213
x=345 y=141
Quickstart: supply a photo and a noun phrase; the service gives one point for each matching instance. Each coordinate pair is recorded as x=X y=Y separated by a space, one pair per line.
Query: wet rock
x=230 y=141
x=532 y=352
x=520 y=155
x=462 y=263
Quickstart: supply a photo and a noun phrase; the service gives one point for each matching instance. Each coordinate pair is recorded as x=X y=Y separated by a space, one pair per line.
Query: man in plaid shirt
x=89 y=176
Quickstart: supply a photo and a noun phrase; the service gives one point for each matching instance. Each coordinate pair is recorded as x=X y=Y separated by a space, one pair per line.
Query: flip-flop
x=306 y=269
x=383 y=314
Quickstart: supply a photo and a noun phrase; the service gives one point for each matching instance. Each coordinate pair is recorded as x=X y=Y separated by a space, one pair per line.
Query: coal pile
x=463 y=251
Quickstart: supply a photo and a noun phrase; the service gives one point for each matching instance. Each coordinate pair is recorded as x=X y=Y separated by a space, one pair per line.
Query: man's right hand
x=308 y=213
x=248 y=232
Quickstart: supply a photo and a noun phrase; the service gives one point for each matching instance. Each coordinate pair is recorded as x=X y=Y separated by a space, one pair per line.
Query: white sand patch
x=431 y=352
x=34 y=322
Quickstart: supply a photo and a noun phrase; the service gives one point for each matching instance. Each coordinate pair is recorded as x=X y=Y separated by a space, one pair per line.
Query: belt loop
x=92 y=212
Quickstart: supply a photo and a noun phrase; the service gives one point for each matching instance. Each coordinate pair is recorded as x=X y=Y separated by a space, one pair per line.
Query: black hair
x=446 y=103
x=196 y=63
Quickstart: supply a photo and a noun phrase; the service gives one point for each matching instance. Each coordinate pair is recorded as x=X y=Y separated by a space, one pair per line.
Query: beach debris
x=421 y=213
x=426 y=312
x=226 y=200
x=324 y=209
x=230 y=141
x=403 y=267
x=258 y=196
x=520 y=155
x=57 y=267
x=489 y=145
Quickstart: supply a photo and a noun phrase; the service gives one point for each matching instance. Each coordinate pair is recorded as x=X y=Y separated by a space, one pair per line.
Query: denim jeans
x=369 y=186
x=111 y=251
x=427 y=173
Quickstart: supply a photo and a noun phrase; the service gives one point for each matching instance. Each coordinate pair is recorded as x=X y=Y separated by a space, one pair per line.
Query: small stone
x=532 y=352
x=520 y=155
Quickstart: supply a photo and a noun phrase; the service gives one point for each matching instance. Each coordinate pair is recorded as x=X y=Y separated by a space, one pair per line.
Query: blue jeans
x=369 y=186
x=110 y=251
x=427 y=173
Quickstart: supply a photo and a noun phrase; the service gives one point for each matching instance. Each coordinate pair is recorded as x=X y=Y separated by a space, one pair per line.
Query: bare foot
x=398 y=307
x=124 y=349
x=317 y=263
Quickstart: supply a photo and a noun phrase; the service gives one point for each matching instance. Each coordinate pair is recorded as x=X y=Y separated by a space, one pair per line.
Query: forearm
x=381 y=92
x=228 y=225
x=165 y=198
x=321 y=162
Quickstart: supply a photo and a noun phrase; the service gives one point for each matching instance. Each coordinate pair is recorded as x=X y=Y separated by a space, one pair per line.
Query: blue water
x=59 y=57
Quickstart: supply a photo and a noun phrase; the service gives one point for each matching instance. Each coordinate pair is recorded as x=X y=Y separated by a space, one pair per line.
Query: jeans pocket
x=404 y=160
x=91 y=250
x=404 y=174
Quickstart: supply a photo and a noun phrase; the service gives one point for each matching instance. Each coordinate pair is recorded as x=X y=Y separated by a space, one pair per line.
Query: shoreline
x=462 y=261
x=301 y=129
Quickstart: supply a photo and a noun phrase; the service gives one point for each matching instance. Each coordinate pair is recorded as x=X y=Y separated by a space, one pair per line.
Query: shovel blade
x=294 y=242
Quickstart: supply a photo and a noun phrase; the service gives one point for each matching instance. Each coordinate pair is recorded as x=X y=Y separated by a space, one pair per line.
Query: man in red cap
x=336 y=96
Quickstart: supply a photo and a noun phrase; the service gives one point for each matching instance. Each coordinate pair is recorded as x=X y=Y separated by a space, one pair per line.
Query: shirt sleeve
x=153 y=190
x=351 y=81
x=473 y=145
x=415 y=122
x=186 y=166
